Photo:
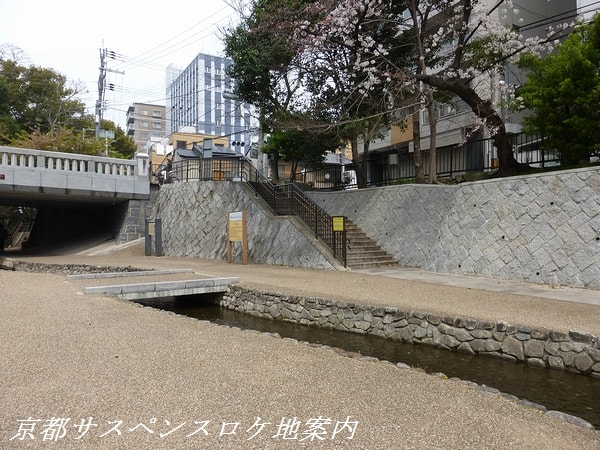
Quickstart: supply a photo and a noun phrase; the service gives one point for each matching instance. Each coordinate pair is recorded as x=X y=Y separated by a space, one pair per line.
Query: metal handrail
x=284 y=199
x=288 y=199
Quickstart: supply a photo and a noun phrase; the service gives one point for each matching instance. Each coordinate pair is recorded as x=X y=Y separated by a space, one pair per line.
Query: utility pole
x=102 y=89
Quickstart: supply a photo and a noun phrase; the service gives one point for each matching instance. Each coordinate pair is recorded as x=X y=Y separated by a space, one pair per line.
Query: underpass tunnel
x=48 y=228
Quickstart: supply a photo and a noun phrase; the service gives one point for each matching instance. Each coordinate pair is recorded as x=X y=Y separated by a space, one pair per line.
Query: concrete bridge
x=32 y=177
x=152 y=284
x=76 y=196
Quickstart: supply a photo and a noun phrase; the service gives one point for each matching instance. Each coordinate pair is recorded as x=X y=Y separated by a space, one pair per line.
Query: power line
x=150 y=56
x=561 y=16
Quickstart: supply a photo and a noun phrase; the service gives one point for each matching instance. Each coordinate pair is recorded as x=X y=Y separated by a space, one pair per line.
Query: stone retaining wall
x=542 y=228
x=573 y=351
x=194 y=220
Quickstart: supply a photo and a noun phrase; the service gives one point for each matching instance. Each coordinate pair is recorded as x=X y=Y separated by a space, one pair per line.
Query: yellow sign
x=236 y=230
x=338 y=223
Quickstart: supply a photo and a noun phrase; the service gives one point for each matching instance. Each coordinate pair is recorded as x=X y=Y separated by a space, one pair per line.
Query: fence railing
x=284 y=199
x=35 y=171
x=22 y=158
x=388 y=168
x=288 y=199
x=226 y=169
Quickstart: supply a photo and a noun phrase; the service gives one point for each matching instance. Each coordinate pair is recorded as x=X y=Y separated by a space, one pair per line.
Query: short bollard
x=153 y=228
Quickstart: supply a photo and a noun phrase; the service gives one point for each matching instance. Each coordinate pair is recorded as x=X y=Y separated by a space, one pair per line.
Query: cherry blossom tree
x=457 y=45
x=283 y=52
x=342 y=45
x=365 y=60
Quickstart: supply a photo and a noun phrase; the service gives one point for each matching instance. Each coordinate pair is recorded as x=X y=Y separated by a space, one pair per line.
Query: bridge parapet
x=27 y=170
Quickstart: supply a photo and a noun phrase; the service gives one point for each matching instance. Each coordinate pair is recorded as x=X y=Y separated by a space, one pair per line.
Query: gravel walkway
x=90 y=372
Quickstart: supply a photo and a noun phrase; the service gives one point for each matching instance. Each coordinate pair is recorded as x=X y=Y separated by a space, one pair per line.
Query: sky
x=67 y=35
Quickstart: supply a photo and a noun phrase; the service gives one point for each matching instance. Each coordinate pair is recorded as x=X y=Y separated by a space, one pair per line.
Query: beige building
x=144 y=122
x=186 y=138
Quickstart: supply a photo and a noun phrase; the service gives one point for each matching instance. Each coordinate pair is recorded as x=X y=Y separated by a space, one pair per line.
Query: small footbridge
x=151 y=284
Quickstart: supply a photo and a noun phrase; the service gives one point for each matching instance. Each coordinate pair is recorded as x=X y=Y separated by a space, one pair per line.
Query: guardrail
x=22 y=168
x=72 y=162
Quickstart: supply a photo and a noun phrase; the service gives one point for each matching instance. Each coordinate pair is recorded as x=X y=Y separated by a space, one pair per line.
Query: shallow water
x=571 y=393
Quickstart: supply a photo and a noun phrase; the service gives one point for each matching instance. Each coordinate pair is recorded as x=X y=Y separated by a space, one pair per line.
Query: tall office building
x=197 y=97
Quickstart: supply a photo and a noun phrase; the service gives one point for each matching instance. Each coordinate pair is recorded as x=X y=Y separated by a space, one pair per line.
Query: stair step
x=362 y=252
x=366 y=251
x=363 y=246
x=371 y=264
x=368 y=257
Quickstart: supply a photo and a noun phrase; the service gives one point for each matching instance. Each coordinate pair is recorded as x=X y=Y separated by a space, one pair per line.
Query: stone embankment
x=573 y=351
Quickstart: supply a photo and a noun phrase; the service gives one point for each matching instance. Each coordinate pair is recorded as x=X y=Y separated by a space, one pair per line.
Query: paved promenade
x=88 y=371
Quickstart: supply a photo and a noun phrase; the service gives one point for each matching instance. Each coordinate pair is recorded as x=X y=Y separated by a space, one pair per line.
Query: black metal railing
x=284 y=199
x=289 y=199
x=477 y=155
x=217 y=169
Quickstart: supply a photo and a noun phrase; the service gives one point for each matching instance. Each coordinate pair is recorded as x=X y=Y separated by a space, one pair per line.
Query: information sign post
x=338 y=225
x=237 y=232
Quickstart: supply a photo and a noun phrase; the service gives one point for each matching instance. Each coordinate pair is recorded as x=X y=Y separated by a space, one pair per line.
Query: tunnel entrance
x=56 y=227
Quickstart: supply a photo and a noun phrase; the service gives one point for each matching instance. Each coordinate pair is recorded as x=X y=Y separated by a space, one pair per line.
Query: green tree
x=562 y=94
x=8 y=125
x=280 y=68
x=40 y=109
x=122 y=146
x=80 y=140
x=300 y=146
x=40 y=99
x=261 y=65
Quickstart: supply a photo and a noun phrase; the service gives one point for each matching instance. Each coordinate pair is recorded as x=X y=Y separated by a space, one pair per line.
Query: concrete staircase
x=362 y=252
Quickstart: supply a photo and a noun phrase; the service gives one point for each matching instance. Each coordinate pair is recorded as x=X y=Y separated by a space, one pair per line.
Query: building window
x=145 y=124
x=443 y=110
x=156 y=125
x=144 y=112
x=156 y=113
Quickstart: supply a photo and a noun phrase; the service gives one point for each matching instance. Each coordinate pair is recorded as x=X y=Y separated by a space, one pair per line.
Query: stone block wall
x=574 y=351
x=405 y=220
x=133 y=216
x=539 y=228
x=194 y=219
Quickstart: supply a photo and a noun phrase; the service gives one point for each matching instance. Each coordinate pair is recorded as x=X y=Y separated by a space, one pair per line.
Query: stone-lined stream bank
x=395 y=325
x=573 y=351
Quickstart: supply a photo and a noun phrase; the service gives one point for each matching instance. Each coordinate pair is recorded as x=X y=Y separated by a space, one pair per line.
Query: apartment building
x=146 y=122
x=460 y=138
